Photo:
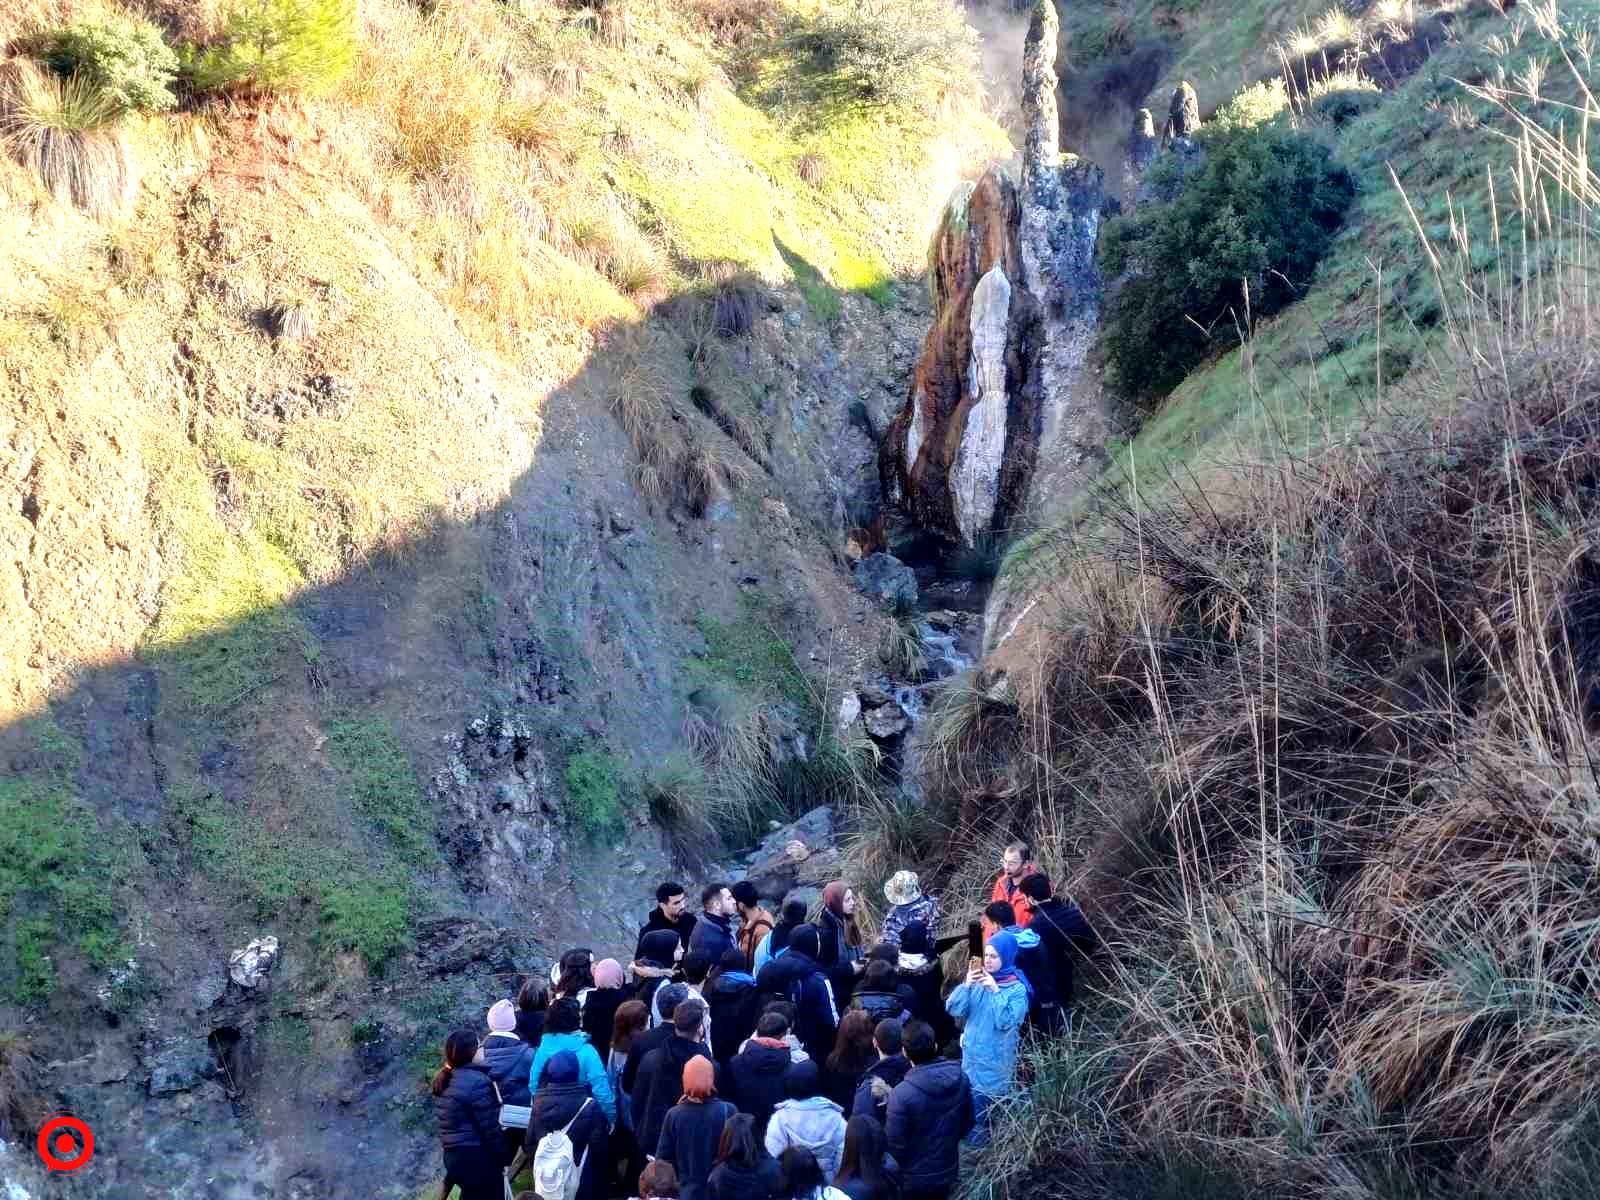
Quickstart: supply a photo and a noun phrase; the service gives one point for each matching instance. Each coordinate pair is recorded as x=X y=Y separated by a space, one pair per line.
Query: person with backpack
x=732 y=1004
x=804 y=1177
x=867 y=1171
x=467 y=1114
x=744 y=1170
x=790 y=917
x=509 y=1061
x=692 y=1130
x=907 y=904
x=758 y=1076
x=659 y=1085
x=808 y=1118
x=798 y=977
x=1068 y=938
x=929 y=1112
x=570 y=1135
x=991 y=1004
x=755 y=922
x=882 y=1077
x=853 y=1055
x=601 y=1004
x=562 y=1033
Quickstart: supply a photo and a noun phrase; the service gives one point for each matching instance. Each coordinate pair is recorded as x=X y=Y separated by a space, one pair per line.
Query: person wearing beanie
x=798 y=977
x=563 y=1102
x=692 y=1129
x=907 y=904
x=562 y=1032
x=600 y=1007
x=509 y=1061
x=991 y=1004
x=755 y=922
x=809 y=1119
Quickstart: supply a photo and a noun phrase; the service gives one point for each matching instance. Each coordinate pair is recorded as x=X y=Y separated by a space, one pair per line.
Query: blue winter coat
x=508 y=1061
x=590 y=1070
x=992 y=1025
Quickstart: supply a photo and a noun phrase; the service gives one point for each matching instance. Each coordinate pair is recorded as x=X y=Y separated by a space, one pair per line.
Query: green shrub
x=1260 y=211
x=370 y=916
x=125 y=58
x=905 y=54
x=1252 y=106
x=278 y=46
x=594 y=791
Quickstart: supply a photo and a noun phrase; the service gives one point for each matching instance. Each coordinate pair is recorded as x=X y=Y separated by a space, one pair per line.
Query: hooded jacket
x=467 y=1113
x=1067 y=938
x=881 y=1006
x=925 y=978
x=688 y=1140
x=591 y=1070
x=683 y=927
x=992 y=1025
x=733 y=1005
x=797 y=977
x=553 y=1108
x=929 y=1112
x=660 y=1085
x=712 y=935
x=758 y=1080
x=509 y=1060
x=872 y=1097
x=816 y=1123
x=1034 y=965
x=730 y=1181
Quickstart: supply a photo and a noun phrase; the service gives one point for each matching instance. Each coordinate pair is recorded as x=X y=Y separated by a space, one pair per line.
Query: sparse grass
x=68 y=133
x=383 y=785
x=371 y=917
x=680 y=802
x=22 y=1100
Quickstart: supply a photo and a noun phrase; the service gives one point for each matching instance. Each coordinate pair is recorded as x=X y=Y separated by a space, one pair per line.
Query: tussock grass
x=22 y=1102
x=68 y=133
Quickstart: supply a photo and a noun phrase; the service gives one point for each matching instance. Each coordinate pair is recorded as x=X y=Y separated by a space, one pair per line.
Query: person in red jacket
x=1015 y=866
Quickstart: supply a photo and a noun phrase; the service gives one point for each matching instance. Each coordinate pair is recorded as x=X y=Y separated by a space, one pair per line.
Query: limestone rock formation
x=1016 y=300
x=1143 y=144
x=1183 y=114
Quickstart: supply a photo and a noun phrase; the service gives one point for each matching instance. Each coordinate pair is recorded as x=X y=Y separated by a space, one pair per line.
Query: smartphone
x=975 y=940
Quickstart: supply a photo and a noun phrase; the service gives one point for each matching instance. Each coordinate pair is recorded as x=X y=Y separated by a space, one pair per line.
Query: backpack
x=555 y=1173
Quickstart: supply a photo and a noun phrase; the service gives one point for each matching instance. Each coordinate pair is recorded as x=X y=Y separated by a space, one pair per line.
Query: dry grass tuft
x=616 y=24
x=290 y=320
x=22 y=1101
x=68 y=132
x=565 y=79
x=812 y=169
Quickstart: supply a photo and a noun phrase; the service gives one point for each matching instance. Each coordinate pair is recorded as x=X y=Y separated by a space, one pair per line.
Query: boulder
x=887 y=721
x=813 y=830
x=180 y=1066
x=849 y=710
x=885 y=578
x=1183 y=113
x=248 y=967
x=448 y=945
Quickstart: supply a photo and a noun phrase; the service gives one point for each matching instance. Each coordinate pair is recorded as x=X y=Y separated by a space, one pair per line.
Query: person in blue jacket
x=562 y=1032
x=991 y=1005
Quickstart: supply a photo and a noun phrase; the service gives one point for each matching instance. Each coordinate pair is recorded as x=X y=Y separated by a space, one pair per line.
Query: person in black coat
x=692 y=1131
x=929 y=1112
x=872 y=1097
x=879 y=994
x=533 y=1001
x=923 y=971
x=656 y=964
x=672 y=995
x=867 y=1171
x=758 y=1076
x=601 y=1002
x=671 y=912
x=563 y=1102
x=467 y=1114
x=713 y=927
x=660 y=1082
x=797 y=977
x=733 y=1002
x=744 y=1170
x=1067 y=937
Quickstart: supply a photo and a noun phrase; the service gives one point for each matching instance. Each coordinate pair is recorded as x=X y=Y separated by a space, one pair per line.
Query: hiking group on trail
x=740 y=1056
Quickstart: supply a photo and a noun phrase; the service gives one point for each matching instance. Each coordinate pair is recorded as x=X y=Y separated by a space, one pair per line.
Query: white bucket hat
x=902 y=888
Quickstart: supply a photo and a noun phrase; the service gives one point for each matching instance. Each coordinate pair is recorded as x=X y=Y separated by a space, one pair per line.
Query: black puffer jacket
x=468 y=1113
x=758 y=1079
x=554 y=1106
x=881 y=1006
x=929 y=1113
x=734 y=1004
x=508 y=1061
x=872 y=1097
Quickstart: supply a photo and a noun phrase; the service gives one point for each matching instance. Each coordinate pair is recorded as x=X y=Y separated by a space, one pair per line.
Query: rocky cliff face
x=1016 y=300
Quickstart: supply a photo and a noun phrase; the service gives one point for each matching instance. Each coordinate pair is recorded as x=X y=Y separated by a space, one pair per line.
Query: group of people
x=742 y=1056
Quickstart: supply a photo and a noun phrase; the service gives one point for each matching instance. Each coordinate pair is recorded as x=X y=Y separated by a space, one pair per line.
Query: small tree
x=125 y=59
x=1260 y=210
x=279 y=46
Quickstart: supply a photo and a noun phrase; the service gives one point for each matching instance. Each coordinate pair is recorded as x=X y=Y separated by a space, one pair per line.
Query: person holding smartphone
x=991 y=1005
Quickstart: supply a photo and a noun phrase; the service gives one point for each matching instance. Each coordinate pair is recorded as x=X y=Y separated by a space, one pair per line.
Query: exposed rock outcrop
x=1016 y=300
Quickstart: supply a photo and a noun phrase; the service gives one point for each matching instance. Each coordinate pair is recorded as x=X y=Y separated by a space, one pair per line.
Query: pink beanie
x=502 y=1017
x=608 y=973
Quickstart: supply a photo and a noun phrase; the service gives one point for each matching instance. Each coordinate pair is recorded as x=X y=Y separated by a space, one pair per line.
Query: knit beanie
x=502 y=1017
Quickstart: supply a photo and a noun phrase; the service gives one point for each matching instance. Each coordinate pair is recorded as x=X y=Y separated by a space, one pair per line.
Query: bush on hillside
x=278 y=46
x=1257 y=214
x=125 y=58
x=886 y=54
x=67 y=131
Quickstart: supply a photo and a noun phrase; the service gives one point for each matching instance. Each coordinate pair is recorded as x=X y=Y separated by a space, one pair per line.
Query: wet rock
x=180 y=1067
x=449 y=945
x=887 y=721
x=884 y=577
x=249 y=966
